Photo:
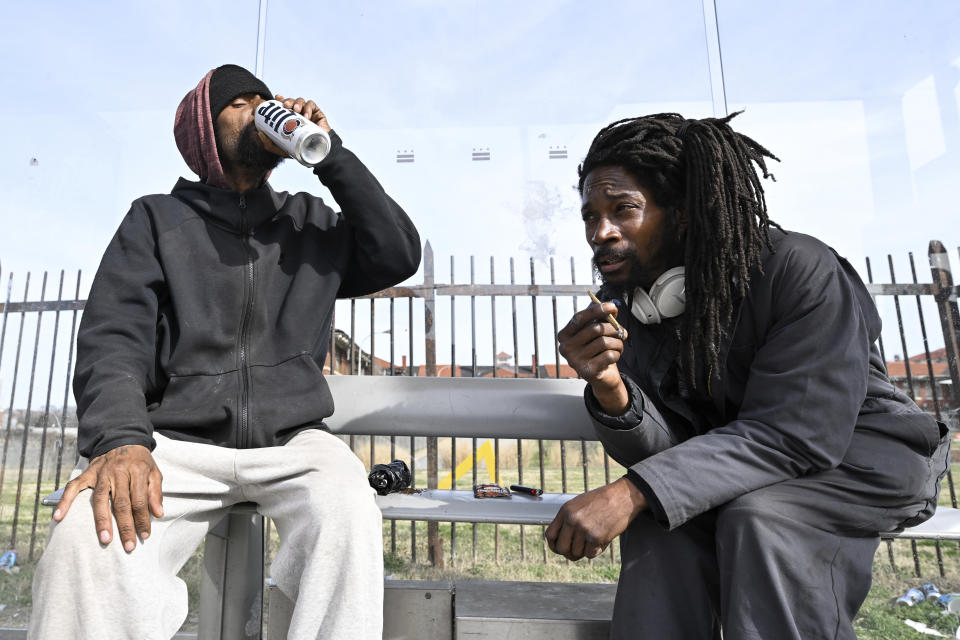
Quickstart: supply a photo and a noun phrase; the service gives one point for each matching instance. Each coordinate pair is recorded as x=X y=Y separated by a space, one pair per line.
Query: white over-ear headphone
x=667 y=298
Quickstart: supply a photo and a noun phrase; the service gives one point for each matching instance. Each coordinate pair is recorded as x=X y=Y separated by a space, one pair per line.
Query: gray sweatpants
x=314 y=488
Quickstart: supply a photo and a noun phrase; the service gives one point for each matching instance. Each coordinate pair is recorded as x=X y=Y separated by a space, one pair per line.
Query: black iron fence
x=503 y=327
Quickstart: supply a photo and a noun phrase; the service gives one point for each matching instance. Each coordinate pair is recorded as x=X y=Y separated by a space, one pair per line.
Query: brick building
x=917 y=370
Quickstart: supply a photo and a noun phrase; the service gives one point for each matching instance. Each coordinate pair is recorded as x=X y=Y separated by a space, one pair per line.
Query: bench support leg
x=231 y=585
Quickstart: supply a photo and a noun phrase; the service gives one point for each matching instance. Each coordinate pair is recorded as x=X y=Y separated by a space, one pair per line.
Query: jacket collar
x=231 y=209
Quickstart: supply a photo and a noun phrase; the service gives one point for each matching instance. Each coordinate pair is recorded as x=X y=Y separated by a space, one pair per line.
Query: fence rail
x=507 y=323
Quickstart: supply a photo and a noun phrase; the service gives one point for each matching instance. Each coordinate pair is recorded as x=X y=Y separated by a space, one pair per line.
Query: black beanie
x=230 y=81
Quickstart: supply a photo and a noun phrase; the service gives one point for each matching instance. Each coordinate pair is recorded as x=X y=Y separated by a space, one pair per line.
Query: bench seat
x=439 y=505
x=405 y=407
x=944 y=525
x=536 y=408
x=460 y=506
x=443 y=505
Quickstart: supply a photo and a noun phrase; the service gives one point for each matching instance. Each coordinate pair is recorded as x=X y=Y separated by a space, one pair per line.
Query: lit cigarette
x=610 y=317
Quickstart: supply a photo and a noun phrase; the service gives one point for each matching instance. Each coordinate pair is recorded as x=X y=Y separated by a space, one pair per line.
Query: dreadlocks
x=702 y=167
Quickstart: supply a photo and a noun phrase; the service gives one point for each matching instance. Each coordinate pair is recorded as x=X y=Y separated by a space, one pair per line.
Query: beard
x=247 y=153
x=634 y=278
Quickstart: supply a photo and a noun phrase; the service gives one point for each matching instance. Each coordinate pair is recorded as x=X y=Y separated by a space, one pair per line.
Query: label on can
x=301 y=139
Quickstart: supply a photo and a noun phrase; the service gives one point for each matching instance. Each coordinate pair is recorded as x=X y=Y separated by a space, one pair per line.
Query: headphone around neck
x=667 y=298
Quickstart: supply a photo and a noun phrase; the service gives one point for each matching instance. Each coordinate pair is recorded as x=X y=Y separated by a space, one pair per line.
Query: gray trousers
x=791 y=561
x=330 y=561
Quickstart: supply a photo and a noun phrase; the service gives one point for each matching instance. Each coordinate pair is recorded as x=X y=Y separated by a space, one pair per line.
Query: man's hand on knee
x=585 y=525
x=126 y=479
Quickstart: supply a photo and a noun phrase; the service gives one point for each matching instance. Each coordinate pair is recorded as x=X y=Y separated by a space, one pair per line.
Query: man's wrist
x=613 y=400
x=103 y=448
x=638 y=501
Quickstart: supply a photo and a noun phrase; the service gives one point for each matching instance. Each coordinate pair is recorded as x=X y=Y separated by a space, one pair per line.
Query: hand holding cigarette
x=592 y=343
x=610 y=317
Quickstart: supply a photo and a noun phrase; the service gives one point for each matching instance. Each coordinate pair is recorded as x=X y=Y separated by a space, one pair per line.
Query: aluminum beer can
x=947 y=600
x=303 y=140
x=911 y=597
x=930 y=590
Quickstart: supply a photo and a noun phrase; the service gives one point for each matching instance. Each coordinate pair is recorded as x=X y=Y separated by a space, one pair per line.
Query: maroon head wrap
x=193 y=130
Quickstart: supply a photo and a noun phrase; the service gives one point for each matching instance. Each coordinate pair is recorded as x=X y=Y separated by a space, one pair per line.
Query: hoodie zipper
x=243 y=436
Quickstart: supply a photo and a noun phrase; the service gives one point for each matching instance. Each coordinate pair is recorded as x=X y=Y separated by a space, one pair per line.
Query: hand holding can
x=301 y=139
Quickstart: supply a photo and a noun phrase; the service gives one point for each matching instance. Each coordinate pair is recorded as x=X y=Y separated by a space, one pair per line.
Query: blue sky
x=824 y=87
x=860 y=100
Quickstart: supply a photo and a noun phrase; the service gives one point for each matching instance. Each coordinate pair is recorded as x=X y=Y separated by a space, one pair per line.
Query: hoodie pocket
x=284 y=396
x=199 y=406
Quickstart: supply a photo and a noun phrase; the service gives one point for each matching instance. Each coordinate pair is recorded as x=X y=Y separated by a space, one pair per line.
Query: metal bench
x=409 y=406
x=549 y=409
x=232 y=579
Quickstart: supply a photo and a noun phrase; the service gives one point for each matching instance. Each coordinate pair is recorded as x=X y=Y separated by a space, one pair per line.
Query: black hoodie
x=209 y=318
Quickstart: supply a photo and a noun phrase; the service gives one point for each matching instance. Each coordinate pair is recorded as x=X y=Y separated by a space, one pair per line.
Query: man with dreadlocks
x=765 y=445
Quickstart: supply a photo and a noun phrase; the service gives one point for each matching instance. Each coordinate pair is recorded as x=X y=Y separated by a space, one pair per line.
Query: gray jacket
x=803 y=390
